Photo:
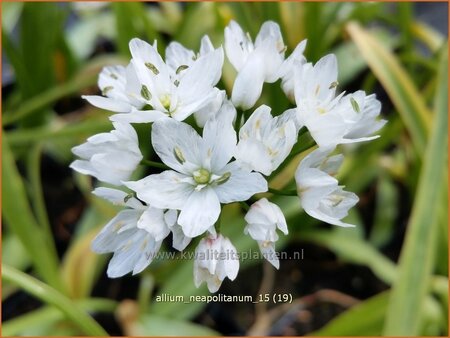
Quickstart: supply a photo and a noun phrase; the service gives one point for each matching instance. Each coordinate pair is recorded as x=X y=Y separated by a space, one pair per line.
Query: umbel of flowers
x=233 y=156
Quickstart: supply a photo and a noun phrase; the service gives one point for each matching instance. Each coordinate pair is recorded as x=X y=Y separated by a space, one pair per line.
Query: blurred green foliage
x=54 y=60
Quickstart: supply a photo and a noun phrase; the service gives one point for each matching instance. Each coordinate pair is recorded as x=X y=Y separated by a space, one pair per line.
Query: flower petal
x=201 y=211
x=249 y=82
x=177 y=144
x=166 y=190
x=219 y=138
x=237 y=45
x=200 y=77
x=139 y=116
x=107 y=103
x=241 y=185
x=152 y=221
x=177 y=55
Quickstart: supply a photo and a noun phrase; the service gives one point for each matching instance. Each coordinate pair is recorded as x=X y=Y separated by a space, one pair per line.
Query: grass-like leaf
x=416 y=262
x=397 y=83
x=51 y=296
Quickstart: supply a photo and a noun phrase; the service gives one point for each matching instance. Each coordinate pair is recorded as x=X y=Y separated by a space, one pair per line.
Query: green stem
x=146 y=286
x=283 y=192
x=34 y=104
x=87 y=77
x=239 y=115
x=20 y=219
x=154 y=164
x=37 y=196
x=89 y=127
x=51 y=296
x=244 y=206
x=48 y=314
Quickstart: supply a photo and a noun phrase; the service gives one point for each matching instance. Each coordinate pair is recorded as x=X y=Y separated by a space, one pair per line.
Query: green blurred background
x=388 y=276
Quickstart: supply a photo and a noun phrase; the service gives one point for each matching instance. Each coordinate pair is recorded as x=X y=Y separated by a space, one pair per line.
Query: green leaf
x=51 y=296
x=365 y=319
x=156 y=325
x=347 y=50
x=353 y=249
x=44 y=321
x=180 y=283
x=20 y=220
x=397 y=83
x=40 y=40
x=85 y=78
x=10 y=15
x=416 y=261
x=386 y=211
x=198 y=20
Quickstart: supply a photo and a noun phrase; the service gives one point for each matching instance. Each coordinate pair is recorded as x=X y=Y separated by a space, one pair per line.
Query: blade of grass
x=37 y=195
x=397 y=83
x=87 y=77
x=19 y=218
x=78 y=131
x=27 y=323
x=433 y=39
x=416 y=261
x=365 y=318
x=51 y=296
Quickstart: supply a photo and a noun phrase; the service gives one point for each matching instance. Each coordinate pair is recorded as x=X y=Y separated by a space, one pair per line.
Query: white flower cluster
x=233 y=157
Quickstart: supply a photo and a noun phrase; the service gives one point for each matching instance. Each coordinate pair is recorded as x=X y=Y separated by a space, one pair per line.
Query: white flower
x=167 y=95
x=255 y=63
x=266 y=141
x=119 y=86
x=287 y=70
x=215 y=259
x=134 y=235
x=110 y=157
x=320 y=194
x=263 y=219
x=333 y=120
x=202 y=177
x=362 y=113
x=178 y=58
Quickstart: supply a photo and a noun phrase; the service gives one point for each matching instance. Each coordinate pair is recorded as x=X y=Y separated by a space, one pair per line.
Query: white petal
x=112 y=81
x=179 y=240
x=172 y=139
x=206 y=45
x=268 y=251
x=228 y=265
x=143 y=53
x=139 y=116
x=165 y=190
x=108 y=103
x=326 y=72
x=249 y=82
x=177 y=55
x=252 y=155
x=83 y=167
x=151 y=250
x=219 y=139
x=287 y=72
x=200 y=211
x=237 y=45
x=152 y=221
x=170 y=217
x=200 y=77
x=202 y=115
x=116 y=232
x=241 y=185
x=118 y=197
x=269 y=30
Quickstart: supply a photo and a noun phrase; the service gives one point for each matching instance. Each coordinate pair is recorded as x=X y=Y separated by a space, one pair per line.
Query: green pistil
x=202 y=176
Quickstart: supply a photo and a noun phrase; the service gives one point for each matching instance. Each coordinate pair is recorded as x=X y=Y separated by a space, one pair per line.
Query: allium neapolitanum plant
x=241 y=144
